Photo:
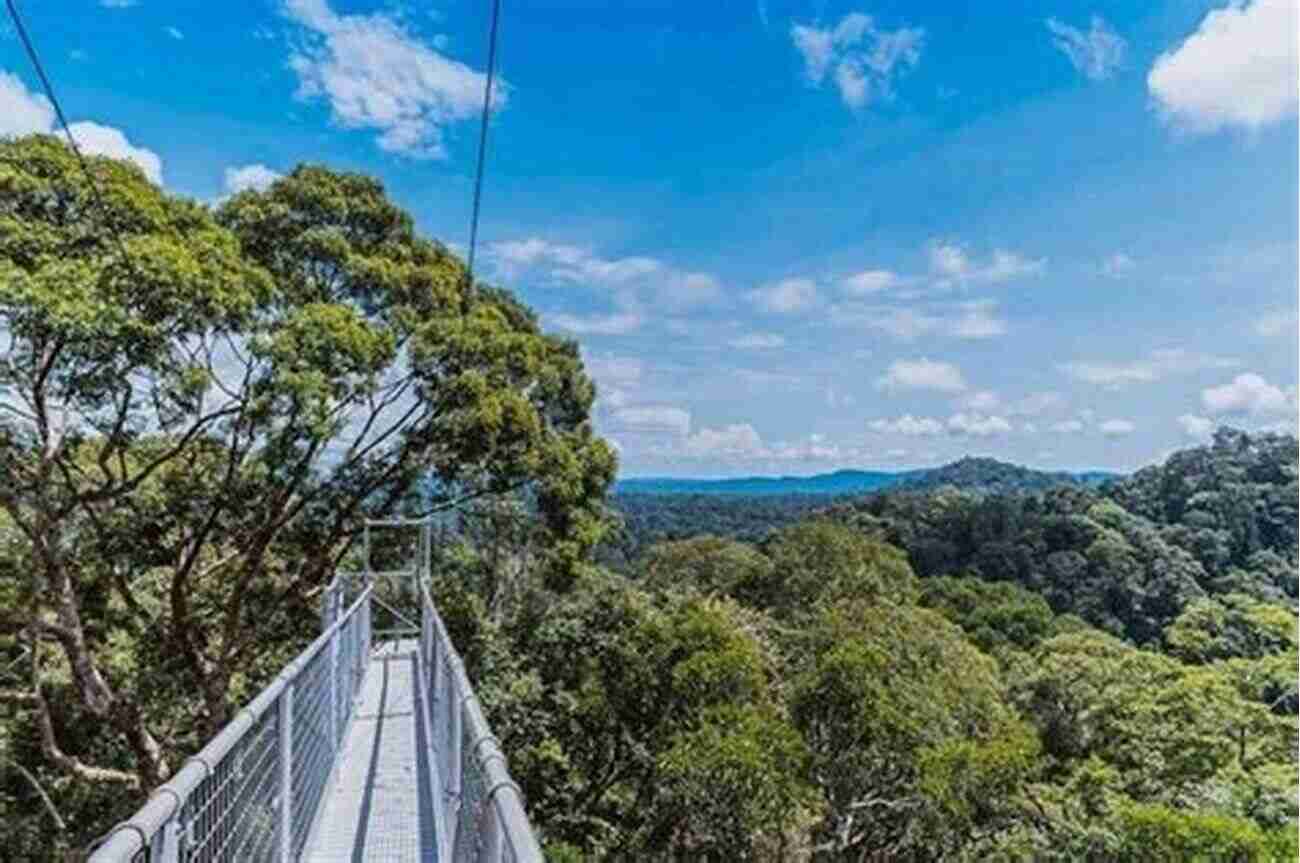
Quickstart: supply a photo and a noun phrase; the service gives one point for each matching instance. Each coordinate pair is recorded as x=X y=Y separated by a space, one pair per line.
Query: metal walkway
x=380 y=804
x=360 y=750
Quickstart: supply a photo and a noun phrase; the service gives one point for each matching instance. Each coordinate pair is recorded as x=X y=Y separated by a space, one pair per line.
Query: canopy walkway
x=368 y=746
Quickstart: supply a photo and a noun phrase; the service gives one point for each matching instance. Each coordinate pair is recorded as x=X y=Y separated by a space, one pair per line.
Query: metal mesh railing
x=484 y=819
x=251 y=794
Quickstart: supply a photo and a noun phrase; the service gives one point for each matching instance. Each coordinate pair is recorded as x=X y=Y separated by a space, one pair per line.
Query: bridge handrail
x=286 y=765
x=488 y=821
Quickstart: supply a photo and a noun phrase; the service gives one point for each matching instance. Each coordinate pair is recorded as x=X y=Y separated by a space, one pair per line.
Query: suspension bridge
x=368 y=746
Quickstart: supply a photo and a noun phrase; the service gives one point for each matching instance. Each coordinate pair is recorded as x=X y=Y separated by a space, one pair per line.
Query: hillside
x=656 y=509
x=967 y=473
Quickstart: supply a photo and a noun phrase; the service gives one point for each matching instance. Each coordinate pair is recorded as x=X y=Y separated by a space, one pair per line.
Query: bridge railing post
x=284 y=745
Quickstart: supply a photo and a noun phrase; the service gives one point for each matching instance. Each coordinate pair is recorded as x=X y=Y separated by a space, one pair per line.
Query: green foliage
x=991 y=613
x=194 y=434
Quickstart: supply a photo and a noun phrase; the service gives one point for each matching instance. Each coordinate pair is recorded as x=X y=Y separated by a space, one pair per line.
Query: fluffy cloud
x=1116 y=428
x=1196 y=427
x=248 y=177
x=861 y=59
x=1096 y=53
x=97 y=140
x=757 y=341
x=977 y=425
x=174 y=32
x=984 y=400
x=1035 y=404
x=922 y=374
x=786 y=296
x=570 y=263
x=1067 y=427
x=652 y=419
x=965 y=320
x=908 y=425
x=626 y=277
x=21 y=112
x=1237 y=69
x=975 y=322
x=25 y=113
x=1246 y=394
x=739 y=439
x=117 y=4
x=951 y=264
x=1158 y=364
x=597 y=325
x=377 y=75
x=871 y=282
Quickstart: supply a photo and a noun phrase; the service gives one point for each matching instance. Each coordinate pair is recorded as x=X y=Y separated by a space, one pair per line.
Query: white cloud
x=1116 y=428
x=1246 y=394
x=977 y=323
x=97 y=140
x=22 y=112
x=908 y=425
x=1067 y=427
x=1117 y=265
x=245 y=177
x=786 y=296
x=599 y=325
x=951 y=264
x=977 y=425
x=1275 y=323
x=607 y=369
x=861 y=59
x=653 y=419
x=117 y=4
x=683 y=290
x=377 y=75
x=1197 y=427
x=1035 y=404
x=871 y=282
x=1096 y=53
x=629 y=276
x=757 y=341
x=174 y=32
x=26 y=113
x=739 y=439
x=1158 y=364
x=922 y=374
x=984 y=400
x=1237 y=69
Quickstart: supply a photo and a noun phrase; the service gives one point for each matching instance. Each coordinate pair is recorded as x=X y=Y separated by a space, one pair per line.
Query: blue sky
x=791 y=237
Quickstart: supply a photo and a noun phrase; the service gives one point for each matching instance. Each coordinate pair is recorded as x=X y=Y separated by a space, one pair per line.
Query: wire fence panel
x=227 y=804
x=485 y=811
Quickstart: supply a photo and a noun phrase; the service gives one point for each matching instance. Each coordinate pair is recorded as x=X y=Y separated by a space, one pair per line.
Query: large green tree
x=197 y=411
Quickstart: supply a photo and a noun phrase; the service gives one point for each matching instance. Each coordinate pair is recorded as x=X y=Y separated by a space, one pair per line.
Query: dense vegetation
x=656 y=510
x=198 y=410
x=1019 y=670
x=1070 y=674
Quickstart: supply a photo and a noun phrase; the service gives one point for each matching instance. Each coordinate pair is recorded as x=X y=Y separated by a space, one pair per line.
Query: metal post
x=285 y=819
x=171 y=841
x=490 y=850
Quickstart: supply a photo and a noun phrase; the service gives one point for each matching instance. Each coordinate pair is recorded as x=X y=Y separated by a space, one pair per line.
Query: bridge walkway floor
x=379 y=805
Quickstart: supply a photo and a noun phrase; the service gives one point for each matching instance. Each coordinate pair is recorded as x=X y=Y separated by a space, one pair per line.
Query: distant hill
x=989 y=474
x=839 y=482
x=968 y=473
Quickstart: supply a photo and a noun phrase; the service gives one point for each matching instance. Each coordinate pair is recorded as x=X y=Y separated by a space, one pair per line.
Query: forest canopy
x=200 y=405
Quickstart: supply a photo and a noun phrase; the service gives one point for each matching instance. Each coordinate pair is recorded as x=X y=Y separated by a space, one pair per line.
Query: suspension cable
x=63 y=122
x=482 y=143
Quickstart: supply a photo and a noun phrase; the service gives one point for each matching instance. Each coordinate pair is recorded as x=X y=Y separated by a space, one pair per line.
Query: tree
x=200 y=409
x=913 y=746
